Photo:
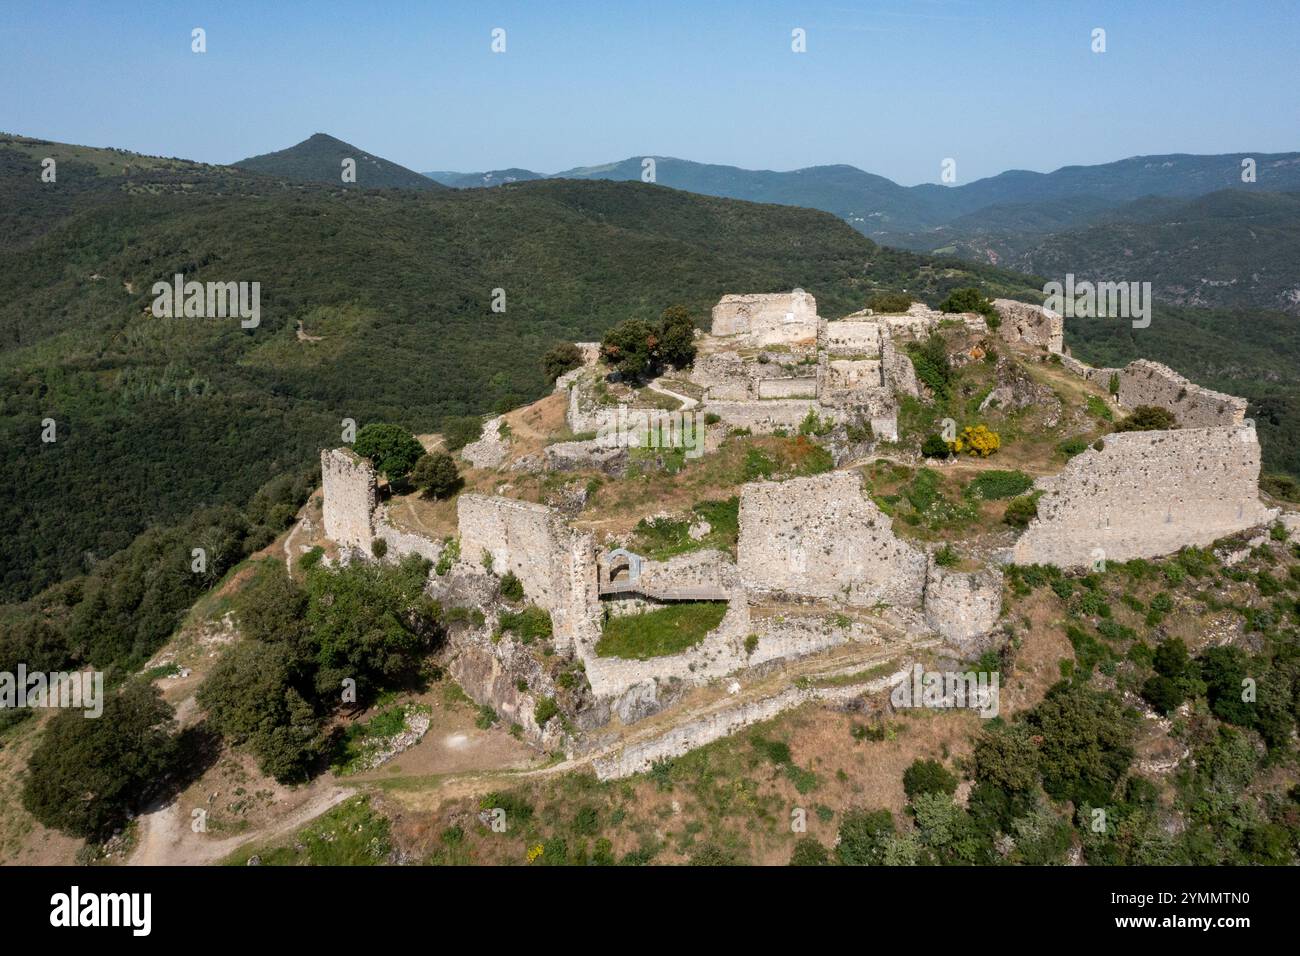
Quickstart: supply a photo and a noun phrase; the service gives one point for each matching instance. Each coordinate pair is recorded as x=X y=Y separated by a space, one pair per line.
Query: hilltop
x=319 y=158
x=374 y=305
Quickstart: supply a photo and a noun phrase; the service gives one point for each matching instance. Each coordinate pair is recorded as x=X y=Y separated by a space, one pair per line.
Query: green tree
x=461 y=430
x=863 y=837
x=392 y=449
x=971 y=299
x=251 y=699
x=629 y=348
x=436 y=475
x=676 y=337
x=1087 y=742
x=928 y=776
x=89 y=776
x=561 y=358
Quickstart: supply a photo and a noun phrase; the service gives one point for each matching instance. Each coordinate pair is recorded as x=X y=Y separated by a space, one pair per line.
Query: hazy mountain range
x=1188 y=224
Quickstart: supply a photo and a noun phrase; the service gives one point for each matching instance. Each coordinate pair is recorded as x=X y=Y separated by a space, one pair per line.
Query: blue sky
x=891 y=86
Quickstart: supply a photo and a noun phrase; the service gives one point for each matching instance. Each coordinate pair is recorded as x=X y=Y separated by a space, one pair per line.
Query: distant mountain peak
x=319 y=159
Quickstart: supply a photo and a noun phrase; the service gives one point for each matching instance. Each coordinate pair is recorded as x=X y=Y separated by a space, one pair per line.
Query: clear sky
x=891 y=86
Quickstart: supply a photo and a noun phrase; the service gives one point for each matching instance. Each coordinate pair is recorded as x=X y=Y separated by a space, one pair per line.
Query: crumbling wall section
x=1150 y=383
x=1031 y=324
x=783 y=318
x=350 y=488
x=822 y=538
x=1146 y=494
x=555 y=564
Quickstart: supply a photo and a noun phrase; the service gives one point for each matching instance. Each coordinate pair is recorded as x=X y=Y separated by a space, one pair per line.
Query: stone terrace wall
x=805 y=387
x=763 y=416
x=1031 y=324
x=783 y=318
x=349 y=484
x=821 y=538
x=1146 y=494
x=1150 y=383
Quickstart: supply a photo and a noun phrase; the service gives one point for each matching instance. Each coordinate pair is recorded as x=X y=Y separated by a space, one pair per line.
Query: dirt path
x=687 y=402
x=166 y=839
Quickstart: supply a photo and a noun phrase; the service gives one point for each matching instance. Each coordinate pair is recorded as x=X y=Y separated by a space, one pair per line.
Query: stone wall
x=783 y=318
x=1031 y=324
x=349 y=484
x=963 y=606
x=763 y=416
x=402 y=543
x=491 y=449
x=851 y=337
x=1146 y=494
x=787 y=387
x=638 y=756
x=821 y=538
x=1150 y=383
x=555 y=564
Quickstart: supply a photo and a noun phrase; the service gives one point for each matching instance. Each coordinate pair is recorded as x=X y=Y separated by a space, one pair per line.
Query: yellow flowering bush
x=976 y=440
x=534 y=852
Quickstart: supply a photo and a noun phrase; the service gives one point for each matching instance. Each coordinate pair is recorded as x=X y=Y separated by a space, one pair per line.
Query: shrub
x=1020 y=511
x=88 y=777
x=1072 y=446
x=976 y=440
x=545 y=709
x=379 y=547
x=930 y=359
x=511 y=587
x=808 y=851
x=530 y=624
x=995 y=484
x=863 y=837
x=1147 y=418
x=934 y=447
x=393 y=450
x=436 y=475
x=461 y=430
x=1087 y=743
x=885 y=303
x=947 y=557
x=561 y=358
x=928 y=776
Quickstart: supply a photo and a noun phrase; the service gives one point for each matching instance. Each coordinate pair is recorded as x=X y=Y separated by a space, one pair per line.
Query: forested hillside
x=319 y=159
x=375 y=304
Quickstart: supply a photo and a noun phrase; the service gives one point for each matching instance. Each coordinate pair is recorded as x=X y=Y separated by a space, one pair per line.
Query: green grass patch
x=351 y=834
x=668 y=630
